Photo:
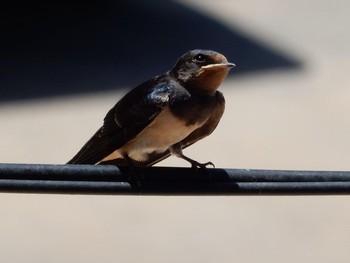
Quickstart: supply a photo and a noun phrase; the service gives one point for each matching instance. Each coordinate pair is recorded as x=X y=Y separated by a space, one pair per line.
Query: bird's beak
x=230 y=65
x=219 y=65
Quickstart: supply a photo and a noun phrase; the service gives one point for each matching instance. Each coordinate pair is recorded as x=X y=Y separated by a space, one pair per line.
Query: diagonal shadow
x=58 y=48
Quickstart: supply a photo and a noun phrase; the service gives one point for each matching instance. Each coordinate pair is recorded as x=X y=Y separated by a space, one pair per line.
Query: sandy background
x=294 y=117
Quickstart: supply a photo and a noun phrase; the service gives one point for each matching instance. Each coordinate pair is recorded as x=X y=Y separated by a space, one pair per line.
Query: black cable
x=106 y=179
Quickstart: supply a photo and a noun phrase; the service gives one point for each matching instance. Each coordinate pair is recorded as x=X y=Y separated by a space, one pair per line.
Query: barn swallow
x=163 y=115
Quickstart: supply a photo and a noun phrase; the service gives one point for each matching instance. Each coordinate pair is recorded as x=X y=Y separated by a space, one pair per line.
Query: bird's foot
x=201 y=169
x=177 y=151
x=135 y=176
x=196 y=165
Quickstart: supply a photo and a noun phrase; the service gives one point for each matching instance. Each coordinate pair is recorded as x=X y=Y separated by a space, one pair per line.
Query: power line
x=107 y=179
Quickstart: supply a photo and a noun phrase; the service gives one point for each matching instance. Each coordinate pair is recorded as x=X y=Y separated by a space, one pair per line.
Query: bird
x=163 y=115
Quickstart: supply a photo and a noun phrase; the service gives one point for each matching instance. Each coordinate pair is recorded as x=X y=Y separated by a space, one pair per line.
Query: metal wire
x=107 y=179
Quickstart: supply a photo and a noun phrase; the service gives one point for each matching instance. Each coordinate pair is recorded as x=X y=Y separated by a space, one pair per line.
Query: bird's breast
x=165 y=130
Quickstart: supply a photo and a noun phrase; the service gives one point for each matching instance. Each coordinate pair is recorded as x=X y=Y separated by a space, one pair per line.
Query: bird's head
x=202 y=71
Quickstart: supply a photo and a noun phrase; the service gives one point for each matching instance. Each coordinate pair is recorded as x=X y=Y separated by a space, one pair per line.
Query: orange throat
x=210 y=77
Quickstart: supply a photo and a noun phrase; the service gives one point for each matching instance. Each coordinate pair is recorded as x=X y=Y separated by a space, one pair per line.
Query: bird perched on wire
x=163 y=115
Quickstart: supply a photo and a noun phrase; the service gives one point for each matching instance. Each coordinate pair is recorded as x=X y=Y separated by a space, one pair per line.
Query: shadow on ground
x=57 y=48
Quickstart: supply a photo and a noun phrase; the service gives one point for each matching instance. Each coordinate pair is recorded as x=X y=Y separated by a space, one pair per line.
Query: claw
x=209 y=163
x=196 y=165
x=177 y=151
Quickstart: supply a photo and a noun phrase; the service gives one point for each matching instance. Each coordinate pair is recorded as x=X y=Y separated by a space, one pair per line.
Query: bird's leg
x=129 y=167
x=177 y=151
x=136 y=176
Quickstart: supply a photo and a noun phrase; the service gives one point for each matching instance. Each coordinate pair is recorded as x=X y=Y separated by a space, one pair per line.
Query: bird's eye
x=199 y=58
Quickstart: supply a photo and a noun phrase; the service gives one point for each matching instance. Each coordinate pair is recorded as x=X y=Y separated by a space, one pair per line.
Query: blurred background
x=64 y=65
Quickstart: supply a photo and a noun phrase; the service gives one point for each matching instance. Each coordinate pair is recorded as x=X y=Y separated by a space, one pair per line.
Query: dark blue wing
x=139 y=107
x=133 y=113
